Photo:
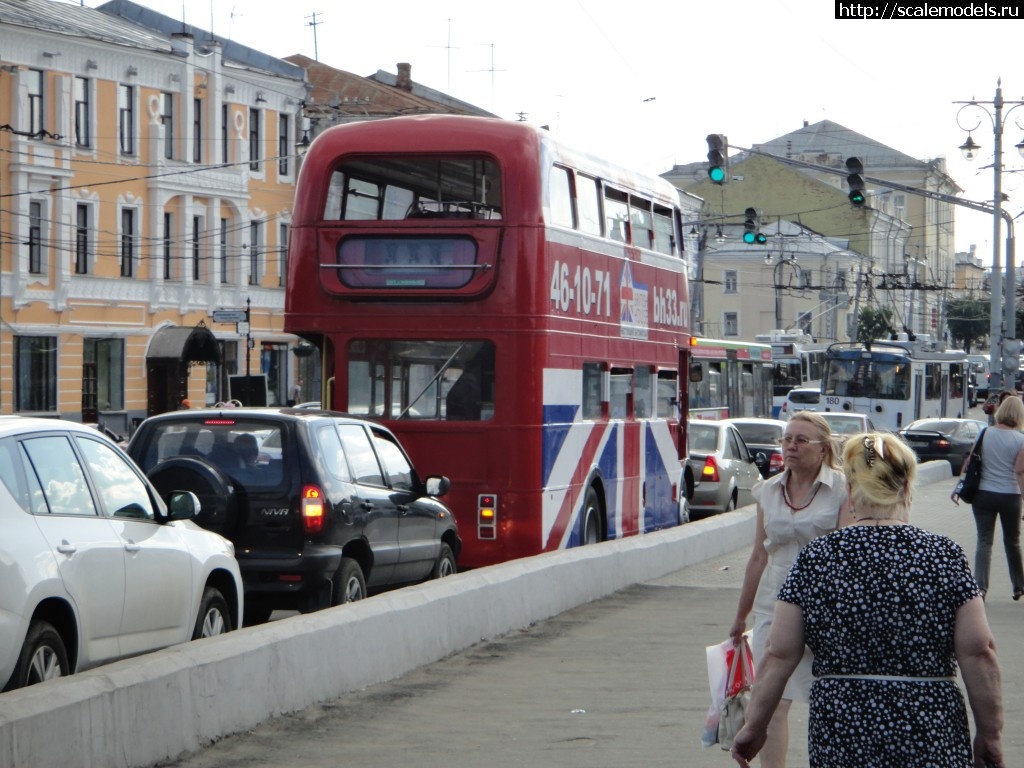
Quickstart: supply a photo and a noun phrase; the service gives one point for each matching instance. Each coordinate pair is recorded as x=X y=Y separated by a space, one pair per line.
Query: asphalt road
x=618 y=682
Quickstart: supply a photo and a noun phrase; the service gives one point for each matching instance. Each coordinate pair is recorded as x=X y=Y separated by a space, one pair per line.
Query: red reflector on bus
x=486 y=516
x=290 y=577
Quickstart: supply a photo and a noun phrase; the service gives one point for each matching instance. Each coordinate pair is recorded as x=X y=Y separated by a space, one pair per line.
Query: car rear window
x=808 y=397
x=249 y=451
x=762 y=434
x=703 y=439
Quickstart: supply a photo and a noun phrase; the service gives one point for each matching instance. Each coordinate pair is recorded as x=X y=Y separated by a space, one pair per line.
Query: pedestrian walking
x=799 y=504
x=999 y=494
x=890 y=611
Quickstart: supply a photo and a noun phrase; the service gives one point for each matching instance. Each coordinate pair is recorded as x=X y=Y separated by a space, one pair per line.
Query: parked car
x=321 y=506
x=722 y=466
x=800 y=399
x=845 y=424
x=943 y=439
x=762 y=439
x=96 y=567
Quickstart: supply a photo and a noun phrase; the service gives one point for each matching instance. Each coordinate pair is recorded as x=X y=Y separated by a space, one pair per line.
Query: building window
x=224 y=250
x=106 y=356
x=127 y=242
x=255 y=242
x=34 y=77
x=197 y=130
x=126 y=118
x=731 y=278
x=35 y=373
x=168 y=246
x=254 y=139
x=35 y=238
x=283 y=143
x=167 y=120
x=81 y=239
x=196 y=250
x=732 y=324
x=82 y=132
x=282 y=252
x=224 y=113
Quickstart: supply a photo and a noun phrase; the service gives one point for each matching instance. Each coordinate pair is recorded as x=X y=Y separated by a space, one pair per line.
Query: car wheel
x=591 y=510
x=216 y=493
x=445 y=565
x=958 y=467
x=214 y=617
x=256 y=614
x=349 y=583
x=43 y=657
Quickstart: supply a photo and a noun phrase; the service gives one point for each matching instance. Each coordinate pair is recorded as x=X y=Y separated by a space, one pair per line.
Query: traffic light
x=718 y=158
x=855 y=180
x=1011 y=356
x=752 y=228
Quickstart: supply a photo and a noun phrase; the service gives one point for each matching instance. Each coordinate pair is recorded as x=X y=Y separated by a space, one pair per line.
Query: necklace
x=791 y=505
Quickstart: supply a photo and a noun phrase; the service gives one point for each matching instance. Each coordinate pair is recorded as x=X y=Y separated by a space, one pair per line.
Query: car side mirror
x=183 y=505
x=437 y=485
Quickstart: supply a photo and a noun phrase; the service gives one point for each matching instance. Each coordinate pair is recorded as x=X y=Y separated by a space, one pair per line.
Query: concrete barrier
x=138 y=712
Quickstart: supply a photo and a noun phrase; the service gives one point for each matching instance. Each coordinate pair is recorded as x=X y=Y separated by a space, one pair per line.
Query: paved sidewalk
x=618 y=682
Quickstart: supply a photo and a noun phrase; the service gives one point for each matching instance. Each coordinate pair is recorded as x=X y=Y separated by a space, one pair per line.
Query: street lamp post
x=1000 y=328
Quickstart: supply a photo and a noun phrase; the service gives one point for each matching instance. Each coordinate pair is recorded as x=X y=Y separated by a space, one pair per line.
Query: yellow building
x=147 y=181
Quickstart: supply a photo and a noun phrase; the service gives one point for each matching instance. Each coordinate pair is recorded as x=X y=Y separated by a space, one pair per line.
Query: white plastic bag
x=718 y=657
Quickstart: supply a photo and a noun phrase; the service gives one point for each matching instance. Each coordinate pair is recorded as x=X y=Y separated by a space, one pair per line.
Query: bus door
x=918 y=393
x=732 y=385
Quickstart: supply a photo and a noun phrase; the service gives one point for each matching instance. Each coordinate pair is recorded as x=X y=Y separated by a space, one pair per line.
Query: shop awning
x=185 y=345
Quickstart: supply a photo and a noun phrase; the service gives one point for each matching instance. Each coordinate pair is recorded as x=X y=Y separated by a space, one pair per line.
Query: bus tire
x=591 y=530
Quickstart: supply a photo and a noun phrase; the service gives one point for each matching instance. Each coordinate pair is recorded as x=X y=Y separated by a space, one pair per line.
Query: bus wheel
x=591 y=512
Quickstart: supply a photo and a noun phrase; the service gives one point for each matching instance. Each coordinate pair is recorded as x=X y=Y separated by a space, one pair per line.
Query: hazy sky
x=644 y=83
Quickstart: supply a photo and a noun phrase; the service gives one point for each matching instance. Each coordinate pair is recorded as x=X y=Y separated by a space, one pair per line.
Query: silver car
x=845 y=424
x=722 y=466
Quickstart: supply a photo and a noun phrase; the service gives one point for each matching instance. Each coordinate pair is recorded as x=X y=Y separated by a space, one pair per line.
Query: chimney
x=404 y=79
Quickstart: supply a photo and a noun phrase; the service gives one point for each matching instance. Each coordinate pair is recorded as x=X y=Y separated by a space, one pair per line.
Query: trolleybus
x=517 y=311
x=729 y=379
x=895 y=382
x=797 y=361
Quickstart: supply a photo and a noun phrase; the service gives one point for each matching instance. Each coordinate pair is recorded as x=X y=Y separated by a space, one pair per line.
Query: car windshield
x=762 y=434
x=249 y=451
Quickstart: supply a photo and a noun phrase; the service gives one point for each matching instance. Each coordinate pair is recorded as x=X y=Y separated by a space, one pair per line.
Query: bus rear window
x=425 y=261
x=414 y=187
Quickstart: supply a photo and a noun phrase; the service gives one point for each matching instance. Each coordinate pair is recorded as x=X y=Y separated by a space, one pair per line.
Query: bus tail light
x=486 y=516
x=710 y=471
x=312 y=510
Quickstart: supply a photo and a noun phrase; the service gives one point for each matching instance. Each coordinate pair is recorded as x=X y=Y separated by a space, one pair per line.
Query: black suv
x=320 y=505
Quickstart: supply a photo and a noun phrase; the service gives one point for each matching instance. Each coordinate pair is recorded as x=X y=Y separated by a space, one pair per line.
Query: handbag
x=737 y=694
x=968 y=485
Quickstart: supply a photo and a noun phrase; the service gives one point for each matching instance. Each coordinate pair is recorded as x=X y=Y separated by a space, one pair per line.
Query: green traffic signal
x=855 y=181
x=718 y=158
x=749 y=238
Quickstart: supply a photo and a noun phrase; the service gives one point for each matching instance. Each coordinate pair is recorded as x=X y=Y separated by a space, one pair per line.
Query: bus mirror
x=696 y=373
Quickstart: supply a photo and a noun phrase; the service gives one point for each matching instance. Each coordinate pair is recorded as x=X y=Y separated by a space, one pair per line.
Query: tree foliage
x=968 y=321
x=874 y=324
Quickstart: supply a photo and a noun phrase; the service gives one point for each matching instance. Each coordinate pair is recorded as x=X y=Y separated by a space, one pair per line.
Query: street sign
x=229 y=315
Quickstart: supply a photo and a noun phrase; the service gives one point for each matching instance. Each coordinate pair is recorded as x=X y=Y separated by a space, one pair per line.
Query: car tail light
x=942 y=443
x=710 y=471
x=312 y=509
x=776 y=463
x=487 y=516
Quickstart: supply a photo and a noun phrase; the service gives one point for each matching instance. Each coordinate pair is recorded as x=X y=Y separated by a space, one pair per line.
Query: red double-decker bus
x=515 y=310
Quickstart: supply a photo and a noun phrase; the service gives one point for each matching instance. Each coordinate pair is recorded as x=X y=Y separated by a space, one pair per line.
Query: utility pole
x=314 y=24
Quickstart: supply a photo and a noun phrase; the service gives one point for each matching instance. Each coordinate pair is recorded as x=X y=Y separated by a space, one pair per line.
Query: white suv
x=96 y=567
x=800 y=399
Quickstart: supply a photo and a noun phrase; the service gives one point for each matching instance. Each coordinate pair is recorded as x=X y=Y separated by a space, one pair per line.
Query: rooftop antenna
x=492 y=70
x=314 y=24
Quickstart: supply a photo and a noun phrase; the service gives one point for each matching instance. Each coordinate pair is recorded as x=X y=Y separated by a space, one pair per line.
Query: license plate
x=917 y=444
